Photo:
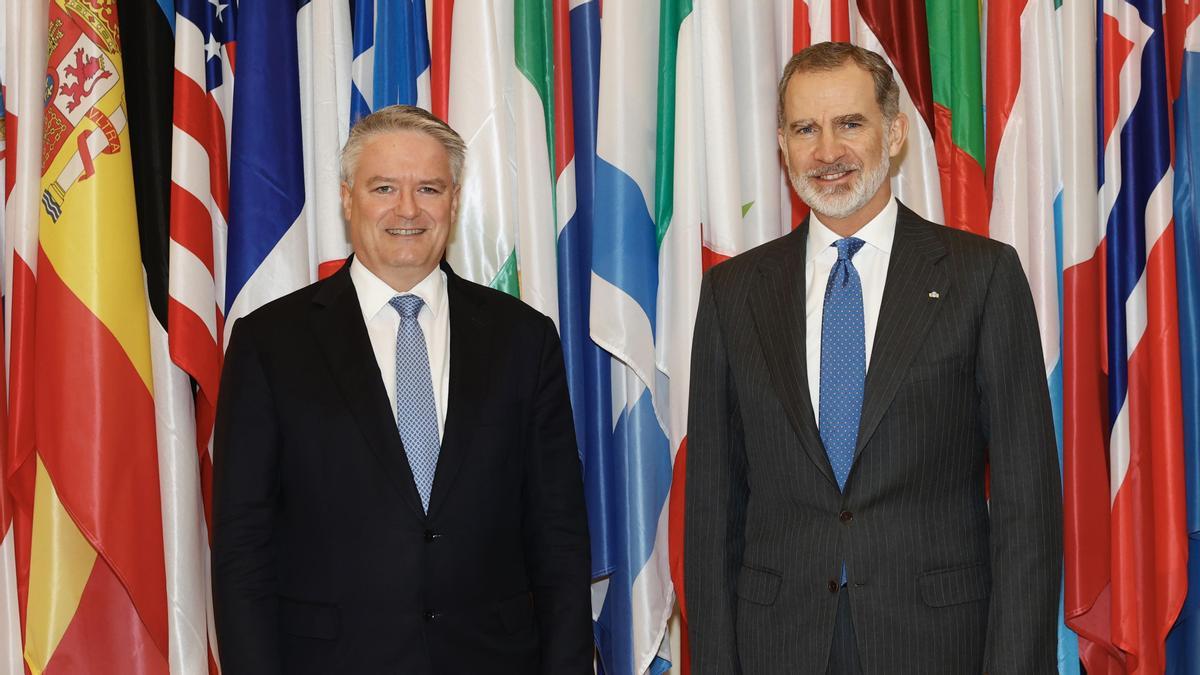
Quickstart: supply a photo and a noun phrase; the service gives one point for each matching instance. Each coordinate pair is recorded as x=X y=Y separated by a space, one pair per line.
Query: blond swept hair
x=402 y=118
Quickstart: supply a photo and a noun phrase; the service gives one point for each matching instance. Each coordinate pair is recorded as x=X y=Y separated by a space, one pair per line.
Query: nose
x=406 y=205
x=829 y=148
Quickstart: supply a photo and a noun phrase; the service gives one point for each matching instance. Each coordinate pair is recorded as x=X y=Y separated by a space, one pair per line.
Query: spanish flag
x=96 y=598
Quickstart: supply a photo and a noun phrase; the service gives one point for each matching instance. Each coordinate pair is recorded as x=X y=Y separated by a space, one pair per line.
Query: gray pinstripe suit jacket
x=938 y=581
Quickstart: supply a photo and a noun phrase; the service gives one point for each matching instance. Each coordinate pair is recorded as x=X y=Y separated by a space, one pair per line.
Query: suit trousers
x=843 y=654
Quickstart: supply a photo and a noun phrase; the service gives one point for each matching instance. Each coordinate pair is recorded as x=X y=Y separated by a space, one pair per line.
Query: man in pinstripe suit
x=850 y=384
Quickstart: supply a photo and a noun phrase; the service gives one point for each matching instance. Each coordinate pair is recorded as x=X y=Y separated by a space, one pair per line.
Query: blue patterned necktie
x=416 y=413
x=843 y=360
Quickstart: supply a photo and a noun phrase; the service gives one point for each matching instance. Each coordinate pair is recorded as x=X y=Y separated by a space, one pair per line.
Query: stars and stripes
x=616 y=150
x=205 y=55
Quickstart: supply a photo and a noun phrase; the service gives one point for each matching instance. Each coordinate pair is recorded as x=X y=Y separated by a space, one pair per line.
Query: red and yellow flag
x=97 y=585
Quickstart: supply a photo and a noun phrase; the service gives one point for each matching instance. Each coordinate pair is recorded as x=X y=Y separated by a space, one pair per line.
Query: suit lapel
x=779 y=316
x=905 y=315
x=470 y=376
x=338 y=324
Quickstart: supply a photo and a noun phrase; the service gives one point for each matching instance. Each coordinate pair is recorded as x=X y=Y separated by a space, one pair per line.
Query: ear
x=454 y=204
x=346 y=201
x=897 y=133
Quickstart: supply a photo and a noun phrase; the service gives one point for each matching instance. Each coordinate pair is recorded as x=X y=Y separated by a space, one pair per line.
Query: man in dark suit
x=397 y=486
x=851 y=383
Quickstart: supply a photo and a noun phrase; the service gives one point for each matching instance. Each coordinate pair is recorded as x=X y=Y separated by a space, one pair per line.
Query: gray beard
x=842 y=202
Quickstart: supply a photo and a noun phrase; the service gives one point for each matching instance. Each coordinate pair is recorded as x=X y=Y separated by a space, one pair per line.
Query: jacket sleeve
x=1026 y=491
x=715 y=498
x=557 y=548
x=245 y=494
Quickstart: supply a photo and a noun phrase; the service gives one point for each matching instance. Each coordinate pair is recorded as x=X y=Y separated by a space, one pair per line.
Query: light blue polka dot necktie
x=843 y=360
x=416 y=413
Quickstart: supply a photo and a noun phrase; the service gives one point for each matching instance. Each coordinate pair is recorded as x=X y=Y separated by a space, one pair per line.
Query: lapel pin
x=934 y=295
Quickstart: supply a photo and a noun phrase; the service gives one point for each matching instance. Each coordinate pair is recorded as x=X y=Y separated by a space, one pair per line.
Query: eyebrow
x=852 y=117
x=840 y=119
x=436 y=182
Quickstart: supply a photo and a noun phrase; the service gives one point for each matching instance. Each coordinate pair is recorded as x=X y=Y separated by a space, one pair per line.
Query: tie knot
x=408 y=306
x=848 y=247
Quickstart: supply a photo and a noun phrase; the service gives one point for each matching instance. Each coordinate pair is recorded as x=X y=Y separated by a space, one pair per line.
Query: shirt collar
x=374 y=293
x=878 y=233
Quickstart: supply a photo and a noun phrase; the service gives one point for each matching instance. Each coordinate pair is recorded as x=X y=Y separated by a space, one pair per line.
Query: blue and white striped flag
x=634 y=601
x=391 y=55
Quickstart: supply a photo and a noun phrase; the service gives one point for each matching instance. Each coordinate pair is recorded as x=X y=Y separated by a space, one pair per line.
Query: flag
x=721 y=188
x=97 y=587
x=440 y=50
x=589 y=367
x=24 y=87
x=636 y=599
x=1024 y=179
x=899 y=33
x=199 y=206
x=1183 y=644
x=11 y=62
x=324 y=50
x=391 y=56
x=678 y=205
x=149 y=90
x=502 y=101
x=537 y=166
x=286 y=228
x=484 y=246
x=1126 y=526
x=954 y=60
x=800 y=31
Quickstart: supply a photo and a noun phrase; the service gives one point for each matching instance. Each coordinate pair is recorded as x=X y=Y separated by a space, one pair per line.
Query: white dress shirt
x=871 y=261
x=383 y=323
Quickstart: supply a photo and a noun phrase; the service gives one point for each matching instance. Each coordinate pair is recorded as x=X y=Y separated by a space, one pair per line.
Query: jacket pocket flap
x=955 y=585
x=516 y=613
x=308 y=619
x=758 y=585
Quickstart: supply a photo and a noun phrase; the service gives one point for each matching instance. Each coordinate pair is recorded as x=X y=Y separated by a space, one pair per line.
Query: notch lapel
x=779 y=315
x=470 y=355
x=337 y=322
x=905 y=315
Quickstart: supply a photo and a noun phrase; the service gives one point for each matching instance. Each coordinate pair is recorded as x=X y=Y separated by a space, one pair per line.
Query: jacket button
x=833 y=586
x=846 y=516
x=430 y=535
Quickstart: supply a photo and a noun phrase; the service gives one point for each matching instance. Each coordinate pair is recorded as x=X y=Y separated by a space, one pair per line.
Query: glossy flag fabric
x=11 y=64
x=1024 y=179
x=954 y=62
x=97 y=587
x=1126 y=536
x=202 y=101
x=391 y=56
x=24 y=77
x=149 y=94
x=1183 y=643
x=617 y=149
x=285 y=226
x=636 y=599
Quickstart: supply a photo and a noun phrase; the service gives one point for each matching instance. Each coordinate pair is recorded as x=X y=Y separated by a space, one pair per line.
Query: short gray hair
x=402 y=118
x=827 y=56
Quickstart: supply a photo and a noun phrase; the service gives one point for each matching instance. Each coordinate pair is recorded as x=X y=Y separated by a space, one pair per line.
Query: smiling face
x=400 y=204
x=838 y=146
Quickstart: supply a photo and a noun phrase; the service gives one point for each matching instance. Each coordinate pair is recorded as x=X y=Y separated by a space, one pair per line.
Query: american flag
x=204 y=66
